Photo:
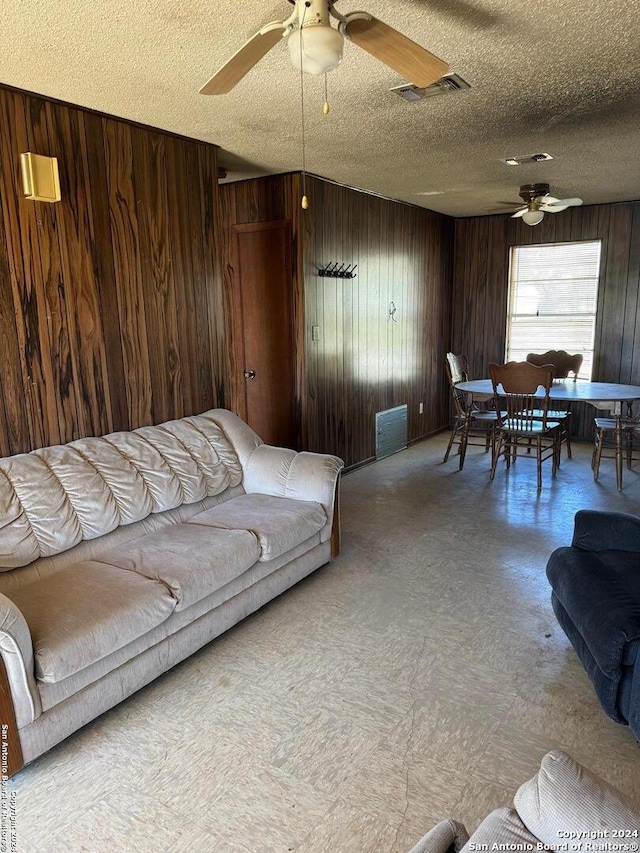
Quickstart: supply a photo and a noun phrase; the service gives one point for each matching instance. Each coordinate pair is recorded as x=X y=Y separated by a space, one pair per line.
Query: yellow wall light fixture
x=40 y=177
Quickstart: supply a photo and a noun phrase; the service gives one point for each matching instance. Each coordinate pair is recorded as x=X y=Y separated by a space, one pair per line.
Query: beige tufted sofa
x=122 y=555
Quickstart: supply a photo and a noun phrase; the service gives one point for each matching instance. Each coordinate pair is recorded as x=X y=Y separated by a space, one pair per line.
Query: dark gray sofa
x=596 y=599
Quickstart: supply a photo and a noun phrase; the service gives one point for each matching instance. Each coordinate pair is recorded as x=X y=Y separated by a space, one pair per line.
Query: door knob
x=249 y=374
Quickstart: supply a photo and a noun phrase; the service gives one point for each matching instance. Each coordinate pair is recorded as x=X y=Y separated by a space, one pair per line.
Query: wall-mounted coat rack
x=332 y=270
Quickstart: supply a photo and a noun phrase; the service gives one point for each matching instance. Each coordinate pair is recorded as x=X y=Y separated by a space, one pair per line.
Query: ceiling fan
x=316 y=46
x=538 y=202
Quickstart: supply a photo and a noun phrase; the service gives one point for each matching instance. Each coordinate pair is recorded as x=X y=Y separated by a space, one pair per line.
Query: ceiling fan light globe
x=533 y=217
x=322 y=47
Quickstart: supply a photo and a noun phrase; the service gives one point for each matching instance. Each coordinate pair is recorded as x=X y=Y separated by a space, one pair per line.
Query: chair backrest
x=515 y=386
x=457 y=368
x=563 y=363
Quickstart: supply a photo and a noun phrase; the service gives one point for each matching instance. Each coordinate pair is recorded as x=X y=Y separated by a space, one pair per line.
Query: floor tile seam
x=274 y=772
x=456 y=808
x=37 y=817
x=105 y=799
x=354 y=765
x=309 y=838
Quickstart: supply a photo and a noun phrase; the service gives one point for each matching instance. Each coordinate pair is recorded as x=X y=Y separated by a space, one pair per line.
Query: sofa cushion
x=88 y=611
x=564 y=799
x=193 y=561
x=279 y=523
x=501 y=827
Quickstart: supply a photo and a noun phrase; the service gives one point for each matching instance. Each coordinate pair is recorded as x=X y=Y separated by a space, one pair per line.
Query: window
x=553 y=294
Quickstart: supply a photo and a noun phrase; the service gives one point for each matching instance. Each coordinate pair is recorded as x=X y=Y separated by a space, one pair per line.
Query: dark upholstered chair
x=596 y=599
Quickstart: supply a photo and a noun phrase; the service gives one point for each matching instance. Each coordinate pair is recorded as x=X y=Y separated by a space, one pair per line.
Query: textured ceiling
x=561 y=76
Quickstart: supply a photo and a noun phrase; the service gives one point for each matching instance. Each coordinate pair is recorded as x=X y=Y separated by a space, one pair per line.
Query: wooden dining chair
x=470 y=423
x=563 y=364
x=526 y=420
x=604 y=445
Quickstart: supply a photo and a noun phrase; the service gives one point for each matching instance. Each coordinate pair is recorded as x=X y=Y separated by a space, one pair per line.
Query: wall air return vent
x=391 y=431
x=446 y=85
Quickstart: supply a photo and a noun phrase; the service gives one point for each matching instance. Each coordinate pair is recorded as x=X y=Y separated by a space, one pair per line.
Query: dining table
x=611 y=396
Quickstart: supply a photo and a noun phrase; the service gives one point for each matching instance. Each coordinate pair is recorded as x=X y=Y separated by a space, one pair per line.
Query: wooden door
x=264 y=330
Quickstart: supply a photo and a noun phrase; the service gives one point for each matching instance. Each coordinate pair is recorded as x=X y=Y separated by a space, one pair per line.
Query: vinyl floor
x=421 y=675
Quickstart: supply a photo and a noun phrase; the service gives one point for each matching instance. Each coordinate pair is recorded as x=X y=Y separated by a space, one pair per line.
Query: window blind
x=553 y=296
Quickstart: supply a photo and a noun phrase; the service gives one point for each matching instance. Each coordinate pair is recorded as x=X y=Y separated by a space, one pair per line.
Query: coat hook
x=335 y=269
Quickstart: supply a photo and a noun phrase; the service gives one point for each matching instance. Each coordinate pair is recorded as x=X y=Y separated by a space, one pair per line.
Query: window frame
x=511 y=295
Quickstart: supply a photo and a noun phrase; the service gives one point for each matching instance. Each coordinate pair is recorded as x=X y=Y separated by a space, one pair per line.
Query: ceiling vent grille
x=526 y=158
x=446 y=85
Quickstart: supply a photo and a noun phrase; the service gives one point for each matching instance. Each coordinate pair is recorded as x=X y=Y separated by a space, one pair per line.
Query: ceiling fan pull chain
x=305 y=201
x=326 y=107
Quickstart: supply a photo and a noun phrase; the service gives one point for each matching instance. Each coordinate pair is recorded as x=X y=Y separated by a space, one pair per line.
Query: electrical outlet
x=420 y=408
x=315 y=333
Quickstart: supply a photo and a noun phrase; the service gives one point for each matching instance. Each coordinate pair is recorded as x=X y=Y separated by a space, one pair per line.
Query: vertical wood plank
x=128 y=271
x=14 y=417
x=212 y=279
x=76 y=237
x=102 y=262
x=156 y=274
x=29 y=300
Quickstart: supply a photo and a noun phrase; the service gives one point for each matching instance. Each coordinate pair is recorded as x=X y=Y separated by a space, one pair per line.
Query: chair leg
x=496 y=455
x=451 y=440
x=464 y=439
x=598 y=452
x=509 y=450
x=539 y=461
x=568 y=437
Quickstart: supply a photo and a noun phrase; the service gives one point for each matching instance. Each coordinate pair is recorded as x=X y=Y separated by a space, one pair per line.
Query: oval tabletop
x=587 y=392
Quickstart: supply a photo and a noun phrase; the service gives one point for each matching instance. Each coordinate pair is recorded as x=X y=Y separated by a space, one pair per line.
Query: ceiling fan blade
x=520 y=212
x=404 y=56
x=561 y=204
x=243 y=61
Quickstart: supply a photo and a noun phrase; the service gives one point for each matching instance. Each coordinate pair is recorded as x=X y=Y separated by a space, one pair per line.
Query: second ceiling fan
x=538 y=201
x=315 y=46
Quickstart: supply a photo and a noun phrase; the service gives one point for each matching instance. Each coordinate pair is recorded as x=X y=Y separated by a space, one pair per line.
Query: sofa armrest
x=564 y=802
x=448 y=835
x=606 y=531
x=300 y=476
x=16 y=650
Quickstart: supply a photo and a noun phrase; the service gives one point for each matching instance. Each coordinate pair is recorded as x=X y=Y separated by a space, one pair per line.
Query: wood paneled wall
x=111 y=309
x=480 y=289
x=365 y=361
x=369 y=358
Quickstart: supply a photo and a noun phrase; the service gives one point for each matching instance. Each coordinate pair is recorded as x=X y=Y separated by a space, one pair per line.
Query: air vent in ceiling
x=446 y=85
x=526 y=158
